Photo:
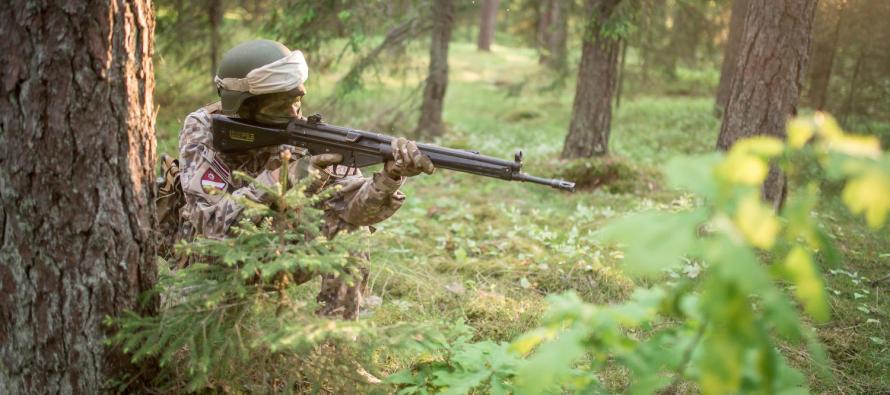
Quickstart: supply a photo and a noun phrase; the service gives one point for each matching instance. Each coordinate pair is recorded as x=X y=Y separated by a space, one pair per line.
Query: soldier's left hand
x=322 y=161
x=407 y=160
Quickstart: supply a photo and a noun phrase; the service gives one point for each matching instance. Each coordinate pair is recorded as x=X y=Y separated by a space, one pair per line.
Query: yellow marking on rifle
x=241 y=136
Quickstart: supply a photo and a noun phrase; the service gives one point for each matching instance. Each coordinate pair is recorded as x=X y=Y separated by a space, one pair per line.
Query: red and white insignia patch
x=210 y=180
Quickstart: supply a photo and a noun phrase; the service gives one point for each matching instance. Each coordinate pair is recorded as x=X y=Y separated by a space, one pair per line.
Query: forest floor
x=487 y=252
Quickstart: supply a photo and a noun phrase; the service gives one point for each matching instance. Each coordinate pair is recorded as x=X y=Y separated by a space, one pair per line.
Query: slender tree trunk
x=77 y=151
x=430 y=123
x=731 y=53
x=684 y=37
x=621 y=74
x=543 y=10
x=487 y=23
x=769 y=75
x=214 y=17
x=592 y=109
x=553 y=54
x=825 y=40
x=847 y=109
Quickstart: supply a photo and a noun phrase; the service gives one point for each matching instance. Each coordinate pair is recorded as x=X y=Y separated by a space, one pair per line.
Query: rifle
x=360 y=148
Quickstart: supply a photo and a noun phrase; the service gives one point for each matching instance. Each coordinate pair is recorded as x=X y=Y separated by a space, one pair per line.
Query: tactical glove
x=407 y=161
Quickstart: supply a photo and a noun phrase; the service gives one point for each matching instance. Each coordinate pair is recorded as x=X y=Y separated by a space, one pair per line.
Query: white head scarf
x=281 y=75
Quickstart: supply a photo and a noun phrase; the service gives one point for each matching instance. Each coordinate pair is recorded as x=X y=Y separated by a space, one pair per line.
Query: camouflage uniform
x=361 y=201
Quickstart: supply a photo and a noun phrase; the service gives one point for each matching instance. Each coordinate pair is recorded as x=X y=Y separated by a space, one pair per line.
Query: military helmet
x=258 y=67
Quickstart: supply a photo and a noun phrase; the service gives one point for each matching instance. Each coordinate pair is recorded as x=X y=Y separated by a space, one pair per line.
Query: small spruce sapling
x=235 y=319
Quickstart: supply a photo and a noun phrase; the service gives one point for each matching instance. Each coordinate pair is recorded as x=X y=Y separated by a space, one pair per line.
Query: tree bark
x=543 y=24
x=77 y=151
x=592 y=109
x=622 y=64
x=555 y=31
x=825 y=40
x=731 y=53
x=769 y=75
x=430 y=123
x=487 y=23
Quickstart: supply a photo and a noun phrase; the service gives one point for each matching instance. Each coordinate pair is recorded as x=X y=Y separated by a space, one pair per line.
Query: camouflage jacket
x=206 y=173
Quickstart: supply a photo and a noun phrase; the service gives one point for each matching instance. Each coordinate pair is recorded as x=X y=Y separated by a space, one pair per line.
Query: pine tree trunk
x=487 y=20
x=853 y=89
x=770 y=72
x=825 y=40
x=543 y=10
x=430 y=123
x=77 y=151
x=731 y=53
x=553 y=54
x=592 y=109
x=684 y=37
x=622 y=64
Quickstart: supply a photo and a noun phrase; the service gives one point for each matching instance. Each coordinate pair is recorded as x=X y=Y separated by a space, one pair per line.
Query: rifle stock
x=360 y=148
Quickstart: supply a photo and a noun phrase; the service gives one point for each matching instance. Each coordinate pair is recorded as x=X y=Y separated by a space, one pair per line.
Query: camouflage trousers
x=339 y=297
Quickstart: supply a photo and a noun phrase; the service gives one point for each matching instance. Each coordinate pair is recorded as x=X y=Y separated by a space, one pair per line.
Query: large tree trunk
x=592 y=109
x=487 y=20
x=769 y=76
x=77 y=151
x=731 y=53
x=430 y=123
x=825 y=40
x=553 y=36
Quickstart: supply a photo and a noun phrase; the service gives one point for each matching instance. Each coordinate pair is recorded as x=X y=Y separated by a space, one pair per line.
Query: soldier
x=262 y=81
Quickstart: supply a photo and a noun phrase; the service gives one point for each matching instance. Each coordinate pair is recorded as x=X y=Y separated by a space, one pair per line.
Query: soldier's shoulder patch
x=211 y=181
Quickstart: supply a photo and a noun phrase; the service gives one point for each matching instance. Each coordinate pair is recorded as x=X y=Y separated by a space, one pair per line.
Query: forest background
x=454 y=252
x=474 y=268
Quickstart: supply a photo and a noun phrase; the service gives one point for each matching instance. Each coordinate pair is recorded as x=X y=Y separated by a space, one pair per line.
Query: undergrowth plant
x=234 y=319
x=720 y=331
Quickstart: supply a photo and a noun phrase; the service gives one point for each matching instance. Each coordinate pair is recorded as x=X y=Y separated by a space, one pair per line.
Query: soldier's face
x=277 y=108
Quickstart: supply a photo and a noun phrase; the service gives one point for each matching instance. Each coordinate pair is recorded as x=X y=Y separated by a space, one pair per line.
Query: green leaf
x=809 y=288
x=694 y=174
x=551 y=363
x=654 y=240
x=869 y=194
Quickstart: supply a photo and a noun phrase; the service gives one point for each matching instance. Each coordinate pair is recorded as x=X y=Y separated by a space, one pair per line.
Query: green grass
x=487 y=251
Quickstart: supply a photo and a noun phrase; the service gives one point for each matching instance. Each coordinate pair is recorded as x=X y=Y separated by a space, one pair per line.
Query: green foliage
x=720 y=331
x=234 y=319
x=460 y=368
x=354 y=25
